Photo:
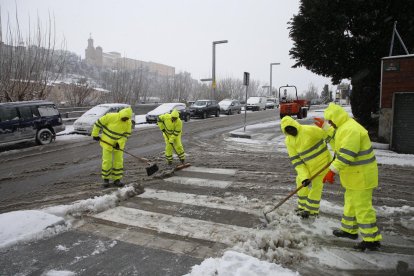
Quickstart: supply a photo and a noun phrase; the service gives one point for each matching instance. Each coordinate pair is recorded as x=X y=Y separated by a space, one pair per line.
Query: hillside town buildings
x=96 y=56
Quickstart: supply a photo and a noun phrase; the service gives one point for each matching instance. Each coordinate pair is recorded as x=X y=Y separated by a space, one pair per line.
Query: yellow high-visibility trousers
x=112 y=164
x=359 y=215
x=177 y=145
x=309 y=199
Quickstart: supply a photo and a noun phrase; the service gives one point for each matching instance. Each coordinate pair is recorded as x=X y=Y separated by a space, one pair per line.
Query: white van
x=256 y=103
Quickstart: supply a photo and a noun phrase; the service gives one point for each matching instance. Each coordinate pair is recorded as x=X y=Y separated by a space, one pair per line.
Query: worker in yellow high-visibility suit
x=115 y=127
x=308 y=153
x=357 y=168
x=171 y=127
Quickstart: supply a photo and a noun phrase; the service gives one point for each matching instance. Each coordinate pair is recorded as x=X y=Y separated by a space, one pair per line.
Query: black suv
x=204 y=108
x=29 y=121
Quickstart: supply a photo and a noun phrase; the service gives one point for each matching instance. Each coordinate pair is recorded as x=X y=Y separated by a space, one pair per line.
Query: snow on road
x=284 y=246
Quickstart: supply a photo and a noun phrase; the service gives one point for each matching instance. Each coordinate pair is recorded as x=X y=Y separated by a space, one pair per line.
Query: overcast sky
x=180 y=33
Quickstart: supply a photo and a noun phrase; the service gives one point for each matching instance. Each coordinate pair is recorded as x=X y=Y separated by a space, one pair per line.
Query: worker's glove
x=306 y=182
x=321 y=123
x=329 y=177
x=116 y=146
x=96 y=138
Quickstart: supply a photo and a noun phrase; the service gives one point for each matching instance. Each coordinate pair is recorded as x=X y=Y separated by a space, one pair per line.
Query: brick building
x=96 y=56
x=396 y=124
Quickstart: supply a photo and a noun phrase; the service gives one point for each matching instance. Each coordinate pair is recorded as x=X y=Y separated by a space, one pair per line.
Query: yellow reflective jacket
x=173 y=130
x=355 y=159
x=114 y=130
x=307 y=150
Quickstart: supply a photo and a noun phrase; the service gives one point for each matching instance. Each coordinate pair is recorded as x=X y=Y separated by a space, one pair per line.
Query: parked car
x=256 y=103
x=37 y=121
x=152 y=116
x=84 y=124
x=272 y=103
x=230 y=106
x=205 y=108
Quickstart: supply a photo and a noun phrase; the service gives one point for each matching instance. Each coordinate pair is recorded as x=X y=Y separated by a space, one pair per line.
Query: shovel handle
x=300 y=187
x=139 y=158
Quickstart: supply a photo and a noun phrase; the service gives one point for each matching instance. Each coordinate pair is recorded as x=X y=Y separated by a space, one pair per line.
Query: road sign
x=246 y=78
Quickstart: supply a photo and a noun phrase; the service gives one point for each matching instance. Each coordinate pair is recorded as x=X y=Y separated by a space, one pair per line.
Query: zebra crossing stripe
x=211 y=170
x=222 y=184
x=182 y=226
x=229 y=203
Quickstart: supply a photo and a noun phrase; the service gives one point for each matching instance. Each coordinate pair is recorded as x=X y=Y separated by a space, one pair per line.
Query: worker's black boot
x=118 y=183
x=182 y=161
x=105 y=183
x=343 y=234
x=306 y=214
x=298 y=211
x=373 y=246
x=170 y=165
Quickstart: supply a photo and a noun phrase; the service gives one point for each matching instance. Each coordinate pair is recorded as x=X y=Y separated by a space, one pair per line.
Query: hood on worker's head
x=175 y=113
x=126 y=112
x=336 y=114
x=289 y=121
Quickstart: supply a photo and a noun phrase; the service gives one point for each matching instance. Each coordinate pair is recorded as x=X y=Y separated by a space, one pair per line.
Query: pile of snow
x=28 y=225
x=233 y=263
x=93 y=205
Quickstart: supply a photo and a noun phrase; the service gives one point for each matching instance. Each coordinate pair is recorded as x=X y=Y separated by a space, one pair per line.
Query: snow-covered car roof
x=164 y=108
x=90 y=116
x=225 y=102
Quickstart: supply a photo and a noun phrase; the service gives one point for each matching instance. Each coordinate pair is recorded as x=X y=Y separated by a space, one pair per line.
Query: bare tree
x=80 y=93
x=28 y=64
x=311 y=93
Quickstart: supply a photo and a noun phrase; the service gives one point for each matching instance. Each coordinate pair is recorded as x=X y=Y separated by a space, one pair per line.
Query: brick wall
x=397 y=76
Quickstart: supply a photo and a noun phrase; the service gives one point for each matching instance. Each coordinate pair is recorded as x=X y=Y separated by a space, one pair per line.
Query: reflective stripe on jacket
x=114 y=130
x=307 y=150
x=172 y=129
x=355 y=159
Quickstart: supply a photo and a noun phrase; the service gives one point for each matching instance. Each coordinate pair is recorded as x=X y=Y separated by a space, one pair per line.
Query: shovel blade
x=151 y=169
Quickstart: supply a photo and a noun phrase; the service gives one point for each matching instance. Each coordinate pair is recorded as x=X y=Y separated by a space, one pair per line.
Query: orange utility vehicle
x=291 y=105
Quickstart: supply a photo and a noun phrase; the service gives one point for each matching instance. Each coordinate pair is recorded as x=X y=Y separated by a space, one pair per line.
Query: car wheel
x=204 y=115
x=217 y=113
x=187 y=117
x=239 y=111
x=44 y=136
x=229 y=112
x=305 y=113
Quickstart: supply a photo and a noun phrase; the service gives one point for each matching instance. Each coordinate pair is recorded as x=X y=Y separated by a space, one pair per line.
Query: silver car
x=230 y=106
x=84 y=124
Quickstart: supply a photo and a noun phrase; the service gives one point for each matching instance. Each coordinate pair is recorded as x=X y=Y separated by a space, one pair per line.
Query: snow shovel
x=151 y=169
x=295 y=191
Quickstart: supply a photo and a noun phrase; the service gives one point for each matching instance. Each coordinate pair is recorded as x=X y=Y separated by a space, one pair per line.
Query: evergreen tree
x=347 y=39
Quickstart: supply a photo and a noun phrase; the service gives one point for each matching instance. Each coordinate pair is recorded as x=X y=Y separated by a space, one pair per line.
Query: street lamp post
x=214 y=65
x=268 y=87
x=271 y=64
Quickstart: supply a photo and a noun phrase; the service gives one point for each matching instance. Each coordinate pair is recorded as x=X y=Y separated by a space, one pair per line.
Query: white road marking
x=229 y=203
x=199 y=181
x=211 y=170
x=182 y=226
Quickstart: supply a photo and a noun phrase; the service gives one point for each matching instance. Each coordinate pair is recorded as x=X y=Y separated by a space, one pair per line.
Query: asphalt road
x=197 y=213
x=69 y=170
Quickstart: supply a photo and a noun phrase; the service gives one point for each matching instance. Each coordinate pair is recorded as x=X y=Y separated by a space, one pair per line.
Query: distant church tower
x=93 y=56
